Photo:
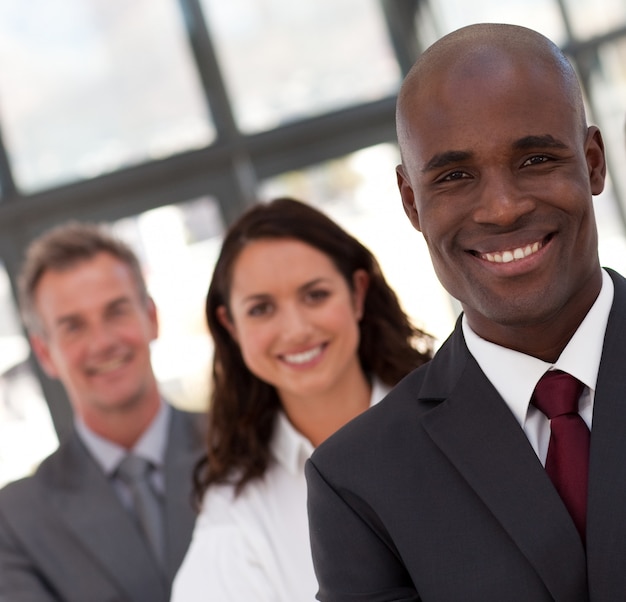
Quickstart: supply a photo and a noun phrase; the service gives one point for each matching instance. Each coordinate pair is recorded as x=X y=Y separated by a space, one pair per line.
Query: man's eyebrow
x=117 y=302
x=443 y=159
x=526 y=143
x=67 y=319
x=530 y=142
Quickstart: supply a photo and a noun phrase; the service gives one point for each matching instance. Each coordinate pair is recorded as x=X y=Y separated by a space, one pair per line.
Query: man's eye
x=70 y=328
x=536 y=160
x=454 y=175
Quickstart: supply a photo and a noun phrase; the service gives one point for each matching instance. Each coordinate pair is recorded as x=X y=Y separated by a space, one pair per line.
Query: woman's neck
x=318 y=417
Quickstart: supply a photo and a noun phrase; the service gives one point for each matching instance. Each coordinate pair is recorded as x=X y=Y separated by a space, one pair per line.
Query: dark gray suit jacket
x=435 y=494
x=65 y=537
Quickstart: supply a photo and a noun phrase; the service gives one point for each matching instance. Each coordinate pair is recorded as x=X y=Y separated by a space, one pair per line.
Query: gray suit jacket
x=65 y=537
x=435 y=494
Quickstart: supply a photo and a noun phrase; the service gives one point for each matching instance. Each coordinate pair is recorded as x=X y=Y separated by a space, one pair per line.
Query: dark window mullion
x=240 y=165
x=6 y=176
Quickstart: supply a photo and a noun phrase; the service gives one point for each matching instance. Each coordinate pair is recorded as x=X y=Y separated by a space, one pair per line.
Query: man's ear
x=223 y=317
x=153 y=317
x=41 y=350
x=408 y=197
x=596 y=162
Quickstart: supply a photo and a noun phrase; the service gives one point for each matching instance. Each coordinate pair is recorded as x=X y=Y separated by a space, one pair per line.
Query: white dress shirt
x=255 y=547
x=150 y=446
x=515 y=375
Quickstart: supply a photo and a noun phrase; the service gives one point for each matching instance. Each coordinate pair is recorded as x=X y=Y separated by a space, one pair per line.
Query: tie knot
x=557 y=393
x=132 y=468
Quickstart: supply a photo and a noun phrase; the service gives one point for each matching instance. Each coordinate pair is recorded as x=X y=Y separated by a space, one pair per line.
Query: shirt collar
x=291 y=449
x=515 y=374
x=150 y=446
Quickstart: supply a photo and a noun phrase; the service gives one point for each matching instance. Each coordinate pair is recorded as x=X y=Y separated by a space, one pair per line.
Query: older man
x=108 y=516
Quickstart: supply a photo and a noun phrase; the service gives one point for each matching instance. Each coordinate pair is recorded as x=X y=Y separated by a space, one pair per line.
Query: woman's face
x=294 y=316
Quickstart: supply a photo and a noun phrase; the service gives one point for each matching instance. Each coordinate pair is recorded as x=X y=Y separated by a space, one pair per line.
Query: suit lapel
x=606 y=511
x=183 y=451
x=484 y=442
x=78 y=491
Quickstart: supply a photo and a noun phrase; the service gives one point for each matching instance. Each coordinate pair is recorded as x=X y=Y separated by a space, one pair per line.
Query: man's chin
x=119 y=403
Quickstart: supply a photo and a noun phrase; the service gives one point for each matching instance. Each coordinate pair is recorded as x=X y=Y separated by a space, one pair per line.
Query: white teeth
x=513 y=254
x=302 y=358
x=109 y=366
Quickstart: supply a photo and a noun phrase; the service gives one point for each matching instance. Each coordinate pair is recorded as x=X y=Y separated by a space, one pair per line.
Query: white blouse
x=255 y=547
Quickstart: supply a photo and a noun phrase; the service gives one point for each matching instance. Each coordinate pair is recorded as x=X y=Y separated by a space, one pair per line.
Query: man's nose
x=100 y=336
x=501 y=200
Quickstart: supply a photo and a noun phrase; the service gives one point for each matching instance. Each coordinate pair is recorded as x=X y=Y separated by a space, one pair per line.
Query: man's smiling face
x=498 y=174
x=96 y=337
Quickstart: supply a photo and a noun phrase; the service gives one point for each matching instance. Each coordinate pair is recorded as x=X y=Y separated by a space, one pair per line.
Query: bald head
x=498 y=173
x=490 y=55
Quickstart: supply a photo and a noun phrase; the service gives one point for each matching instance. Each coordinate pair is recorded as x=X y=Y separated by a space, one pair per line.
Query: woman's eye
x=317 y=295
x=260 y=309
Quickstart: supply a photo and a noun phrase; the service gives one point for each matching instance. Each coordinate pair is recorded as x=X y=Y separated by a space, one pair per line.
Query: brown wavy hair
x=242 y=407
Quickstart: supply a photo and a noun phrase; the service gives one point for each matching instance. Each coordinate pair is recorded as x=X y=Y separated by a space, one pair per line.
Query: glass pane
x=608 y=99
x=541 y=15
x=286 y=59
x=27 y=434
x=90 y=87
x=589 y=19
x=178 y=246
x=359 y=191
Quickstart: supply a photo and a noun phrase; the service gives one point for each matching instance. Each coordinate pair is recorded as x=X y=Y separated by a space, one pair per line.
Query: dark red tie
x=567 y=464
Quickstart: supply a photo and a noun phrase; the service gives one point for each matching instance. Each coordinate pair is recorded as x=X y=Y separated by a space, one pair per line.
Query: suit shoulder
x=20 y=498
x=400 y=407
x=194 y=424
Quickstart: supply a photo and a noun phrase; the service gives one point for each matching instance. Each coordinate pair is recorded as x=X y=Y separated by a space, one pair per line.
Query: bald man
x=446 y=490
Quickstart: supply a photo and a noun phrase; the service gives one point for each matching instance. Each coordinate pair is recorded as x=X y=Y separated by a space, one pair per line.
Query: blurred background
x=167 y=118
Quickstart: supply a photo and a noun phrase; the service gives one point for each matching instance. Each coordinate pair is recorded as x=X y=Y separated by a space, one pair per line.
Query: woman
x=308 y=334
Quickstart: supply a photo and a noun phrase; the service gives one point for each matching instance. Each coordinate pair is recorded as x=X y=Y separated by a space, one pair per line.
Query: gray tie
x=134 y=472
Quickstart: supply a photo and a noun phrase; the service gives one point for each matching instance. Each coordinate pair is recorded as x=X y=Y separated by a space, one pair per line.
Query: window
x=27 y=434
x=90 y=87
x=178 y=246
x=285 y=60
